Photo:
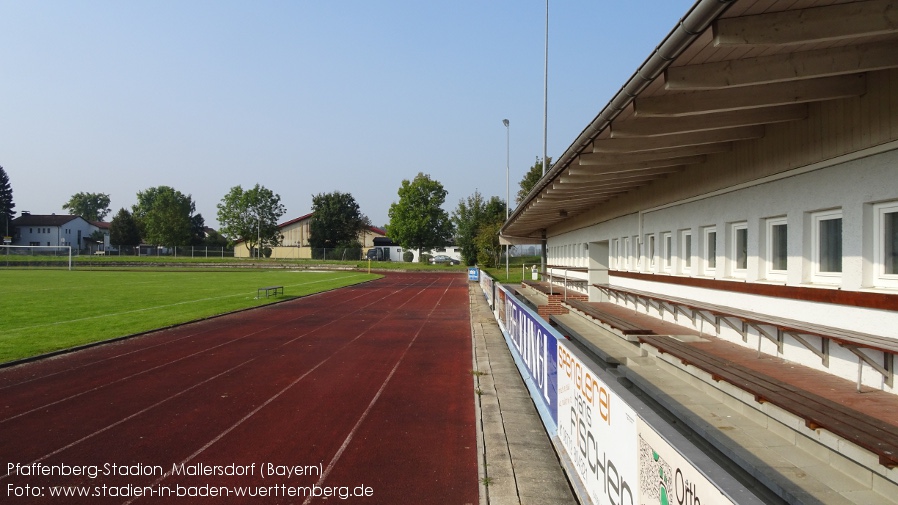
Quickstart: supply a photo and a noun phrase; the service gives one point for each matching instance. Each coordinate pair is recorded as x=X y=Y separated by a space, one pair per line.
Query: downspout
x=693 y=24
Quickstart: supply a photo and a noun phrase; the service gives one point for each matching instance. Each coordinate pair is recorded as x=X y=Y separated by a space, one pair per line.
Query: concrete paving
x=517 y=464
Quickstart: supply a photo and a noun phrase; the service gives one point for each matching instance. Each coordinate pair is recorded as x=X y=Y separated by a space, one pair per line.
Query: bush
x=408 y=256
x=425 y=258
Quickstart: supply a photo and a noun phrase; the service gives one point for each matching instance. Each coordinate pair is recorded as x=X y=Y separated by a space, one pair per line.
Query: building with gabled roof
x=295 y=239
x=54 y=230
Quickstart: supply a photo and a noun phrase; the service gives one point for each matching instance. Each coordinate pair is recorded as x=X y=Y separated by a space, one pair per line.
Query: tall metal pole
x=545 y=123
x=507 y=200
x=546 y=92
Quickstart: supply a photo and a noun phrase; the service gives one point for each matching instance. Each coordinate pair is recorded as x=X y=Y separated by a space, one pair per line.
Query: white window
x=666 y=243
x=738 y=254
x=650 y=252
x=625 y=264
x=776 y=250
x=634 y=250
x=826 y=246
x=709 y=250
x=615 y=253
x=686 y=251
x=885 y=244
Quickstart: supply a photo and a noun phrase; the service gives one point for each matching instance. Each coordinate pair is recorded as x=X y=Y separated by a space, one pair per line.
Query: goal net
x=36 y=255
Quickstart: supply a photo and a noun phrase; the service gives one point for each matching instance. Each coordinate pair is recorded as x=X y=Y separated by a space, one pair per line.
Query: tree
x=215 y=239
x=6 y=203
x=336 y=222
x=531 y=178
x=90 y=206
x=488 y=248
x=251 y=216
x=197 y=229
x=471 y=215
x=164 y=216
x=123 y=230
x=417 y=220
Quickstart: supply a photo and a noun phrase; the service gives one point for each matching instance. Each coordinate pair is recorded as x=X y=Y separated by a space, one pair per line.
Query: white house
x=55 y=230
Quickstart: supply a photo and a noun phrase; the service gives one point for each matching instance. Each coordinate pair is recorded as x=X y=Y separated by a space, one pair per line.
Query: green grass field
x=48 y=310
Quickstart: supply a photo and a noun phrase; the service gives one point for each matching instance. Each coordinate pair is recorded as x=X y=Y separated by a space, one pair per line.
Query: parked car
x=442 y=259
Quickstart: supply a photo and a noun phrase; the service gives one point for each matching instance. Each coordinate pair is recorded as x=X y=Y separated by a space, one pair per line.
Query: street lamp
x=507 y=200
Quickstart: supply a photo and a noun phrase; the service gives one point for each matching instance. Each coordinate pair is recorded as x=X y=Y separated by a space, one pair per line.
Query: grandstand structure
x=723 y=237
x=751 y=163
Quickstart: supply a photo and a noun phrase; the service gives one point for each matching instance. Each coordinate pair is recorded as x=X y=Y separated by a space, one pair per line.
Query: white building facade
x=750 y=163
x=53 y=230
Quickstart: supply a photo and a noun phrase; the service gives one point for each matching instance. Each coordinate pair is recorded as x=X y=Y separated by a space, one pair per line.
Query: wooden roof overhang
x=725 y=72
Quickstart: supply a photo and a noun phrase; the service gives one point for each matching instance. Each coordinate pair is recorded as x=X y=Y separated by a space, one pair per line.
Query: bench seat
x=269 y=290
x=622 y=325
x=840 y=335
x=865 y=431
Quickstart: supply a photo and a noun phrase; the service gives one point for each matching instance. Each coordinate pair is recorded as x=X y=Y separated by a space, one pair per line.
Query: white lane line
x=167 y=342
x=146 y=409
x=281 y=392
x=121 y=379
x=351 y=435
x=132 y=416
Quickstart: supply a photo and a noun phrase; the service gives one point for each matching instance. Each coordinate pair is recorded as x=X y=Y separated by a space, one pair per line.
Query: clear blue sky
x=303 y=97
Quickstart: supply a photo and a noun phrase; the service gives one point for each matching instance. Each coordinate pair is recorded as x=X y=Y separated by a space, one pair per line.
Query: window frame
x=708 y=268
x=880 y=277
x=735 y=270
x=770 y=272
x=817 y=275
x=685 y=251
x=650 y=247
x=666 y=251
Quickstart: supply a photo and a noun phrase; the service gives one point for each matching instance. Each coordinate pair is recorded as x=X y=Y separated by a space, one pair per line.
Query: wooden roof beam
x=816 y=24
x=654 y=126
x=626 y=145
x=751 y=97
x=657 y=154
x=611 y=176
x=574 y=189
x=784 y=67
x=622 y=168
x=604 y=159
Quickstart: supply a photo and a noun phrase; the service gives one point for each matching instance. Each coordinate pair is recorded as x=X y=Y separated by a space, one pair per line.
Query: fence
x=176 y=252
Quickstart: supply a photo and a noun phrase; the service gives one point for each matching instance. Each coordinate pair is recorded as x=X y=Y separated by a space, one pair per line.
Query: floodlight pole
x=507 y=200
x=545 y=124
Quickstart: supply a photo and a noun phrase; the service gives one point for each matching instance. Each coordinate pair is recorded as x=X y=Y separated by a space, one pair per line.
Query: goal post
x=34 y=255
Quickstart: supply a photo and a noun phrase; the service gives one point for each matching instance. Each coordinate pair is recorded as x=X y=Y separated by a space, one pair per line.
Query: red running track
x=363 y=390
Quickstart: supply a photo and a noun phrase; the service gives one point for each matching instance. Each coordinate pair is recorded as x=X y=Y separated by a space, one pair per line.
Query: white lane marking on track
x=276 y=395
x=132 y=416
x=148 y=309
x=154 y=346
x=172 y=362
x=374 y=399
x=146 y=409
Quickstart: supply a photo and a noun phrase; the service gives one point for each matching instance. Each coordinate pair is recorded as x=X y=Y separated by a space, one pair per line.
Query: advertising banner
x=598 y=431
x=666 y=477
x=534 y=343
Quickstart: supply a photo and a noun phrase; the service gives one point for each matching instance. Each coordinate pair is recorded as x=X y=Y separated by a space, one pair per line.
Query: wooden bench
x=622 y=325
x=714 y=314
x=269 y=290
x=872 y=434
x=542 y=287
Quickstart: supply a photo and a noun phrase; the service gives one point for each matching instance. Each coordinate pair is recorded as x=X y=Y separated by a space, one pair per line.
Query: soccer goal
x=36 y=255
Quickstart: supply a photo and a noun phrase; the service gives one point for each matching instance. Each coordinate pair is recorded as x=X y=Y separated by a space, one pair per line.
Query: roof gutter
x=693 y=24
